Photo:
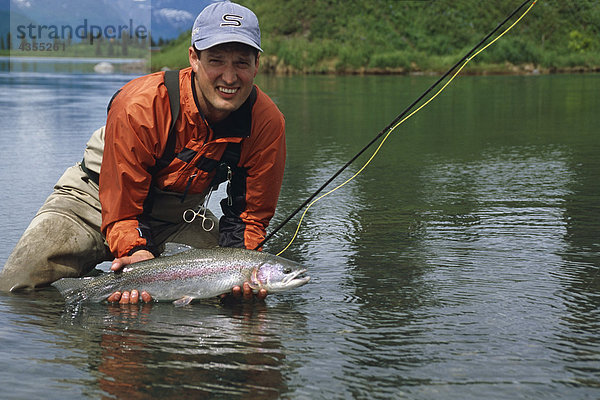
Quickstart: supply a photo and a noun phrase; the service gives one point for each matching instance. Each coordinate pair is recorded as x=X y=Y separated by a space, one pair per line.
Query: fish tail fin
x=70 y=288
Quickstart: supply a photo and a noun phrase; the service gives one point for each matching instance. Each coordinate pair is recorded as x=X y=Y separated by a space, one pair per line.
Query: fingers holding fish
x=124 y=298
x=140 y=255
x=129 y=297
x=114 y=298
x=262 y=294
x=247 y=294
x=146 y=298
x=244 y=293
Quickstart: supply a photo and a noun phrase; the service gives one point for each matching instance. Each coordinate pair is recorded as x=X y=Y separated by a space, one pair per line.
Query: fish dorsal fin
x=184 y=301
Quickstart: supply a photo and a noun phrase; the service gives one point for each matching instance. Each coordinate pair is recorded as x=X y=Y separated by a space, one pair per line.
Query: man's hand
x=140 y=255
x=244 y=293
x=132 y=297
x=129 y=298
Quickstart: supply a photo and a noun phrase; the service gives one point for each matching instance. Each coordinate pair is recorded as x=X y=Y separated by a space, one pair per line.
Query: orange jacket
x=136 y=134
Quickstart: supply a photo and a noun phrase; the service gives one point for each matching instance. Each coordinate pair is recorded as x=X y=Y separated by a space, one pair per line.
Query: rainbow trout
x=193 y=274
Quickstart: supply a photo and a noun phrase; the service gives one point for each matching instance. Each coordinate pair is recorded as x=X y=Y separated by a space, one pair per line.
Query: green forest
x=410 y=36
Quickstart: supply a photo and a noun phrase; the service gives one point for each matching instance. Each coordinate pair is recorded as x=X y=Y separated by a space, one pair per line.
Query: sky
x=164 y=18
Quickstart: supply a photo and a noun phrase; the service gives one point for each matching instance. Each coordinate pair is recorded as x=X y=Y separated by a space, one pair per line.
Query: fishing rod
x=399 y=119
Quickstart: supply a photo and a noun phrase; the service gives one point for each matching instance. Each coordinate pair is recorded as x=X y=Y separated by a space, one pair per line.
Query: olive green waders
x=64 y=238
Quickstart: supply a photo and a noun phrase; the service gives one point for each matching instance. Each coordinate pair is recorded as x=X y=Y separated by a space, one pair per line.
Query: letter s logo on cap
x=232 y=20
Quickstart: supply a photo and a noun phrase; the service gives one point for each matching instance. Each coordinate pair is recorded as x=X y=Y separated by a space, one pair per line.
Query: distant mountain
x=166 y=19
x=170 y=18
x=74 y=12
x=4 y=23
x=4 y=17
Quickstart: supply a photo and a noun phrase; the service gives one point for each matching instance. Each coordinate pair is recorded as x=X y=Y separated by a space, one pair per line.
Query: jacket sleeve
x=130 y=151
x=255 y=187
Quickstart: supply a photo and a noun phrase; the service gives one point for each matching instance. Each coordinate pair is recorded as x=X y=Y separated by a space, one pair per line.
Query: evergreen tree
x=98 y=44
x=124 y=44
x=110 y=51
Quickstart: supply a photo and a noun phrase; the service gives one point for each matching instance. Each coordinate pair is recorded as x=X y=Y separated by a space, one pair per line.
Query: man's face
x=224 y=78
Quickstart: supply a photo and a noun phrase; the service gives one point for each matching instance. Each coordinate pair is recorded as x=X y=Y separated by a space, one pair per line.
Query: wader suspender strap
x=230 y=157
x=232 y=152
x=172 y=85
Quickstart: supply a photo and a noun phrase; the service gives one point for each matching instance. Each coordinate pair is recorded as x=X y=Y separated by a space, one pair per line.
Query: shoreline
x=272 y=67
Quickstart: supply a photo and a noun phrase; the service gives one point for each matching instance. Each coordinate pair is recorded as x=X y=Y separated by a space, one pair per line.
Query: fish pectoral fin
x=184 y=301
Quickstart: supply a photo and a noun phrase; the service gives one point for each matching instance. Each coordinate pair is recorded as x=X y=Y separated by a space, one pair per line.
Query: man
x=154 y=176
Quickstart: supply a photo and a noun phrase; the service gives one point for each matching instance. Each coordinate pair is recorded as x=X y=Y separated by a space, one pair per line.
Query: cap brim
x=220 y=39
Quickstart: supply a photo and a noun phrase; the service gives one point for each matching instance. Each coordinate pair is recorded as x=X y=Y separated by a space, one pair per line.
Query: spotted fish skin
x=193 y=274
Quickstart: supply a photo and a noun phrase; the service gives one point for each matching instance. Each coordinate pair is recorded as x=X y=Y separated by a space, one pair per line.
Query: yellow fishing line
x=400 y=123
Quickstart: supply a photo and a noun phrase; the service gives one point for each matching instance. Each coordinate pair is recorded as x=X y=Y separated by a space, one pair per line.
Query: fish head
x=278 y=275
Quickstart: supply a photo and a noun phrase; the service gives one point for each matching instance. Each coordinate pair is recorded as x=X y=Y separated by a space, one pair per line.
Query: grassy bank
x=392 y=36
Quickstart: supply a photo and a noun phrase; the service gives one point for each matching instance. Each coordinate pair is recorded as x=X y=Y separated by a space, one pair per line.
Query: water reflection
x=46 y=121
x=203 y=350
x=493 y=233
x=460 y=264
x=577 y=338
x=33 y=353
x=370 y=283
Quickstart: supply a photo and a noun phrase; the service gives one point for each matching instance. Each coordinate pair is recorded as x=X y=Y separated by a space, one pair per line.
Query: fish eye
x=287 y=270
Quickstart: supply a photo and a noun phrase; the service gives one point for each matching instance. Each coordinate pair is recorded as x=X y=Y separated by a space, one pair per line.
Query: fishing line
x=387 y=131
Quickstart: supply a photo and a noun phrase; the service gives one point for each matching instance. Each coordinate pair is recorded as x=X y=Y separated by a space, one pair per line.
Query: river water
x=462 y=263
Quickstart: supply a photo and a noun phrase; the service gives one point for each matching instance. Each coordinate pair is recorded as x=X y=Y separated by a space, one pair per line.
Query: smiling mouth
x=227 y=90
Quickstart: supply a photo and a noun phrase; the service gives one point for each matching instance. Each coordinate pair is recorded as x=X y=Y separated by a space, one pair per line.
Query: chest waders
x=64 y=238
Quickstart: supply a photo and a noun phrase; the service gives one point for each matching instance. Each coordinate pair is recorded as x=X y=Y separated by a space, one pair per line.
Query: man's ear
x=193 y=58
x=257 y=63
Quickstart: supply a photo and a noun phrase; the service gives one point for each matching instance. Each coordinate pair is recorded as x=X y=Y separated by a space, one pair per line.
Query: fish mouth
x=297 y=278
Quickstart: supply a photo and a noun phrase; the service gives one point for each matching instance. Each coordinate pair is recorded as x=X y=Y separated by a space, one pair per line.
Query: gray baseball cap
x=225 y=22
